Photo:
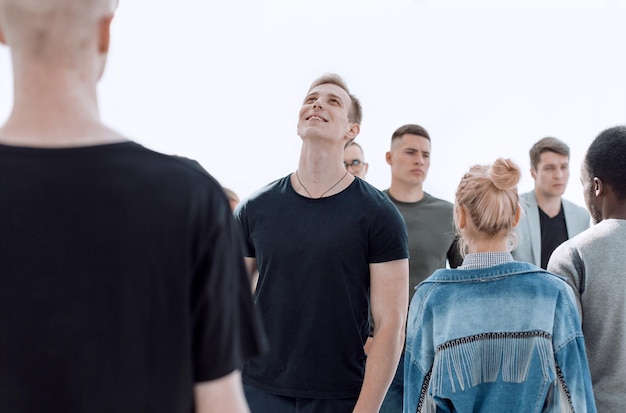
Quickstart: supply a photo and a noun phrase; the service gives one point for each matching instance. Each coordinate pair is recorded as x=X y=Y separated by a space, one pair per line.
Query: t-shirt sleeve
x=242 y=228
x=389 y=240
x=226 y=328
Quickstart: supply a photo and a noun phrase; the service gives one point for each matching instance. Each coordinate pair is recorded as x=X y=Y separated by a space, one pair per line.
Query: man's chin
x=558 y=192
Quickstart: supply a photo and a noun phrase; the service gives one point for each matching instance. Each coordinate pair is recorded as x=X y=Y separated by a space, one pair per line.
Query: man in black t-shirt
x=321 y=261
x=122 y=282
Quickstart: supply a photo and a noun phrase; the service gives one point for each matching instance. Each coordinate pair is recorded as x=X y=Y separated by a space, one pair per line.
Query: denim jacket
x=506 y=338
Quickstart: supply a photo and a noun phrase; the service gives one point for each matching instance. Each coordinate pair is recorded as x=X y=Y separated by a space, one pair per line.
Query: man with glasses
x=429 y=223
x=354 y=160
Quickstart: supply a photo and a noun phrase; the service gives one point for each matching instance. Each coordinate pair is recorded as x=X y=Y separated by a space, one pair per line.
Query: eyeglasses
x=355 y=164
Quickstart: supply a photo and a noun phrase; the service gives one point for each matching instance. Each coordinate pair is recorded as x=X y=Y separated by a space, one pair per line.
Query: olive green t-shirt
x=430 y=227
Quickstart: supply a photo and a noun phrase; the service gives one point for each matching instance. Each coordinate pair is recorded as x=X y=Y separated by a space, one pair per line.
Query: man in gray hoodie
x=595 y=264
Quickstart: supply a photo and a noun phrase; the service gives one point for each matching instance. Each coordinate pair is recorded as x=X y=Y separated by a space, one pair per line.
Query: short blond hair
x=51 y=27
x=356 y=111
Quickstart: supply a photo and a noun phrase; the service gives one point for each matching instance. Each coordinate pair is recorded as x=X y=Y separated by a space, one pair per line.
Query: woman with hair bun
x=494 y=335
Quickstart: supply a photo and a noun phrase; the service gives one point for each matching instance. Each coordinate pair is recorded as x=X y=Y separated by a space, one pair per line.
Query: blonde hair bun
x=504 y=174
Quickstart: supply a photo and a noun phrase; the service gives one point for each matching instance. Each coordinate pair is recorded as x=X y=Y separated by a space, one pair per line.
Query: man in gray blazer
x=548 y=219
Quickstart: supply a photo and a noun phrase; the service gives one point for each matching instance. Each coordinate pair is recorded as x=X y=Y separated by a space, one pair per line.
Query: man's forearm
x=382 y=362
x=221 y=395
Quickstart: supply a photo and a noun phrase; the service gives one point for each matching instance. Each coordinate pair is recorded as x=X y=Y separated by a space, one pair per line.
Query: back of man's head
x=606 y=159
x=50 y=29
x=548 y=144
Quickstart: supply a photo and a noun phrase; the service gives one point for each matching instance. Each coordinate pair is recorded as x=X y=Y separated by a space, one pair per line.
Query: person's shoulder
x=604 y=232
x=189 y=163
x=373 y=201
x=528 y=273
x=157 y=165
x=550 y=281
x=274 y=188
x=143 y=156
x=587 y=239
x=183 y=168
x=581 y=211
x=550 y=277
x=438 y=202
x=441 y=274
x=528 y=197
x=364 y=188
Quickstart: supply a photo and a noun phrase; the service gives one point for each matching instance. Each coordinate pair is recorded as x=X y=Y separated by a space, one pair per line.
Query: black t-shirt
x=121 y=281
x=553 y=234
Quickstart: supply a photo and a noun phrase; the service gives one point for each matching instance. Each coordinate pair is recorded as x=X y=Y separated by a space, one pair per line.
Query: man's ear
x=598 y=187
x=388 y=157
x=353 y=132
x=104 y=34
x=533 y=173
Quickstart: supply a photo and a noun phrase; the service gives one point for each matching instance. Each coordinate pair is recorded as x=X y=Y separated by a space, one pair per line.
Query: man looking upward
x=321 y=263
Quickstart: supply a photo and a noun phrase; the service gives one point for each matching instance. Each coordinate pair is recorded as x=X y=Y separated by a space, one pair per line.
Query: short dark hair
x=356 y=111
x=606 y=159
x=548 y=144
x=411 y=129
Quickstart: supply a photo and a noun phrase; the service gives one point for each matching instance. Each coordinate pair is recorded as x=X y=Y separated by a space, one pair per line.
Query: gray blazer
x=529 y=231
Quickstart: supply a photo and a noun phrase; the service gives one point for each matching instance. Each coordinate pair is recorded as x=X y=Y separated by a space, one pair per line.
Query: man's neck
x=62 y=113
x=551 y=205
x=64 y=132
x=612 y=207
x=320 y=170
x=406 y=193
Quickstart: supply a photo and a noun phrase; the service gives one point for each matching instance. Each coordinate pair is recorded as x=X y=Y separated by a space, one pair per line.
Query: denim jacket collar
x=480 y=275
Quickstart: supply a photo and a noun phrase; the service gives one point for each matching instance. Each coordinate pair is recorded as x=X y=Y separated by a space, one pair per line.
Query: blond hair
x=51 y=29
x=356 y=111
x=488 y=194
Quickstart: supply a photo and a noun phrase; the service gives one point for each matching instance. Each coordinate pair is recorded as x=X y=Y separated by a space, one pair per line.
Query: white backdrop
x=222 y=82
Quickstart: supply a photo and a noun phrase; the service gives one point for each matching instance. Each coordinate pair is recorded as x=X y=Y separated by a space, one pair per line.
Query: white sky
x=222 y=82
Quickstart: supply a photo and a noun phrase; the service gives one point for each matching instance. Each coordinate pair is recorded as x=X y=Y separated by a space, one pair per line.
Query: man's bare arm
x=253 y=271
x=389 y=286
x=221 y=395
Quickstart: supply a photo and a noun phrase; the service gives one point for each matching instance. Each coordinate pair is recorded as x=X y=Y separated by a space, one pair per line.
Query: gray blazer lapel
x=528 y=232
x=576 y=218
x=534 y=227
